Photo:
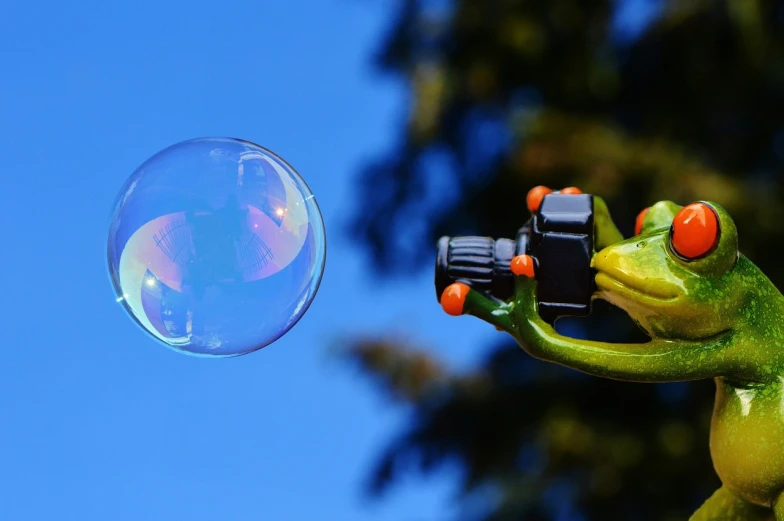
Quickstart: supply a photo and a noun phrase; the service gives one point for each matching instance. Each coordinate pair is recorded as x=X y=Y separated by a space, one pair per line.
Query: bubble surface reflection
x=216 y=247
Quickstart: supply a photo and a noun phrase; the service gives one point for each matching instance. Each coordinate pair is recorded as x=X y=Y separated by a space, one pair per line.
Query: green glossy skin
x=717 y=317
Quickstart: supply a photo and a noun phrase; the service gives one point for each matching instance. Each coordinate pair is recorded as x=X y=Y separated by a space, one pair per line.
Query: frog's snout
x=634 y=268
x=600 y=259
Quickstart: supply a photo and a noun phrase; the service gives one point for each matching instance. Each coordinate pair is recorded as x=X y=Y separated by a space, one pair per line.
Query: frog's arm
x=606 y=233
x=659 y=360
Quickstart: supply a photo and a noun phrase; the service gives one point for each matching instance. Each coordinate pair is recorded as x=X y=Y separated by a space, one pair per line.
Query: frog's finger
x=535 y=196
x=522 y=266
x=606 y=233
x=453 y=298
x=459 y=299
x=524 y=269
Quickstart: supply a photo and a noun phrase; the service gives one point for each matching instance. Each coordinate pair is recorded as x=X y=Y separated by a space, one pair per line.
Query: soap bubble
x=216 y=247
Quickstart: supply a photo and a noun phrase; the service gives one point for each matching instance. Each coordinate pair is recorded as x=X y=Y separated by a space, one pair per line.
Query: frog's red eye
x=695 y=231
x=639 y=221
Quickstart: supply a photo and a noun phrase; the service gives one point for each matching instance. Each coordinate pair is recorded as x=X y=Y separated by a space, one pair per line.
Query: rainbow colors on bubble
x=216 y=247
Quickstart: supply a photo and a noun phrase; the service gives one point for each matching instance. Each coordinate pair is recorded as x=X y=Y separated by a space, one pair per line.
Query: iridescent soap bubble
x=216 y=247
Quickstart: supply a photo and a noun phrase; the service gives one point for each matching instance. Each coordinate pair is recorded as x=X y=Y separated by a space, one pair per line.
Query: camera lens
x=480 y=262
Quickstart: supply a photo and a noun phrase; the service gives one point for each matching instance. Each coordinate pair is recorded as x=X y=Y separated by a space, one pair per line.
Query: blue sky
x=98 y=421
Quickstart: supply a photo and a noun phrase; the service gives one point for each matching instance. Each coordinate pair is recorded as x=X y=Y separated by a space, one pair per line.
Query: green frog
x=710 y=313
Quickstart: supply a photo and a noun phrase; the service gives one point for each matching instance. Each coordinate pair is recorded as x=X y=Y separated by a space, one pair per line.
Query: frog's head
x=678 y=277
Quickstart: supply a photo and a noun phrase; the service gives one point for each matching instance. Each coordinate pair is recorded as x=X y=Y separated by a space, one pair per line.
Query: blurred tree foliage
x=508 y=94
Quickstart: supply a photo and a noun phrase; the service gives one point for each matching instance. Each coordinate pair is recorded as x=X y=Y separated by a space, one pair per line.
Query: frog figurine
x=710 y=313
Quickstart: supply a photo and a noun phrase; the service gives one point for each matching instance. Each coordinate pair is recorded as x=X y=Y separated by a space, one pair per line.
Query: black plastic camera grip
x=562 y=242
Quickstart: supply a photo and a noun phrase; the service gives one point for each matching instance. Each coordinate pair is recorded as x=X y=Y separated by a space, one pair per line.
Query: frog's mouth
x=615 y=283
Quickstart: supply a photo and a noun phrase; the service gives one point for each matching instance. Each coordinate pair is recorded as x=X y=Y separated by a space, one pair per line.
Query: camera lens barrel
x=480 y=262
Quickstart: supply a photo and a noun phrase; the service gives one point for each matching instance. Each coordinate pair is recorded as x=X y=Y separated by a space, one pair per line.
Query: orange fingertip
x=571 y=190
x=453 y=298
x=638 y=222
x=522 y=265
x=535 y=196
x=695 y=231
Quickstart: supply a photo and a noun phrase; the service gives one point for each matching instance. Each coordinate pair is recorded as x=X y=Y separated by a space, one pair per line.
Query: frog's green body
x=715 y=317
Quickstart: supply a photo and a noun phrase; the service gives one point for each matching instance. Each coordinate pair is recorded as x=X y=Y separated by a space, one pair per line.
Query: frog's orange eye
x=695 y=231
x=638 y=222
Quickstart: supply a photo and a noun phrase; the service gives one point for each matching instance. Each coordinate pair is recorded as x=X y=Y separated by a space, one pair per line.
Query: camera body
x=559 y=237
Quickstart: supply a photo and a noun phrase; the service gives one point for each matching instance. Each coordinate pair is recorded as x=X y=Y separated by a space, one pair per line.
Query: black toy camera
x=559 y=237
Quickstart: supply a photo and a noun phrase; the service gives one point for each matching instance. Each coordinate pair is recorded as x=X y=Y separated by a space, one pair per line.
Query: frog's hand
x=659 y=360
x=605 y=231
x=459 y=299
